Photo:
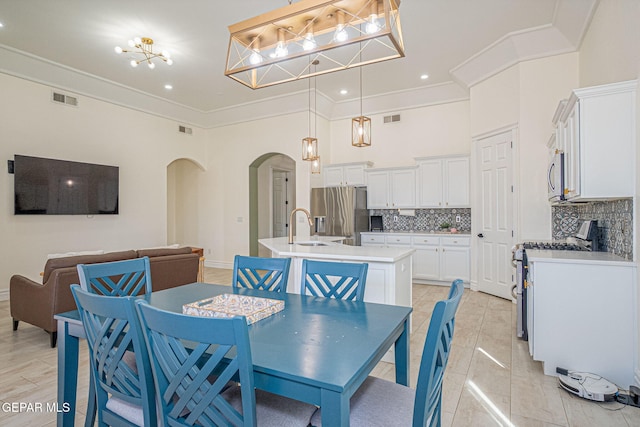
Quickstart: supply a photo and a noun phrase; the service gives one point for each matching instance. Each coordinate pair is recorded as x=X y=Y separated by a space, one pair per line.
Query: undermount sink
x=311 y=244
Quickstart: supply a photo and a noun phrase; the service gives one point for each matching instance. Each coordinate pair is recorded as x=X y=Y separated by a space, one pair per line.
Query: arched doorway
x=272 y=184
x=183 y=176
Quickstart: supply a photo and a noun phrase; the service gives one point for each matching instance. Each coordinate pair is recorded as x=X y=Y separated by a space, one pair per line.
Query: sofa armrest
x=31 y=302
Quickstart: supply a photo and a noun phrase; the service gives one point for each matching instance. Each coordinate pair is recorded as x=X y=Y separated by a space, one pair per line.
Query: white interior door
x=495 y=200
x=280 y=203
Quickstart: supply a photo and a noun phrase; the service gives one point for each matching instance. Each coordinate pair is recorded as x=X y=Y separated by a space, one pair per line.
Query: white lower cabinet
x=436 y=258
x=582 y=315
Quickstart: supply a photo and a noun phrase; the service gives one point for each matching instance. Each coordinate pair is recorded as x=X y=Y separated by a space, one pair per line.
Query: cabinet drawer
x=398 y=240
x=372 y=238
x=425 y=240
x=456 y=241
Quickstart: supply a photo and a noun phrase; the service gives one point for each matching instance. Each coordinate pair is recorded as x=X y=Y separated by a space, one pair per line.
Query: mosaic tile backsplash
x=615 y=221
x=426 y=220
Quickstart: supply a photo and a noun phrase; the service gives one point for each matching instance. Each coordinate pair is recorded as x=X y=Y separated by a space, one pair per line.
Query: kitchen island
x=388 y=276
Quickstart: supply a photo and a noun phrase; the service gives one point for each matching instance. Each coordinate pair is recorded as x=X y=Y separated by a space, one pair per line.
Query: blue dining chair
x=193 y=361
x=121 y=372
x=385 y=403
x=341 y=280
x=117 y=278
x=267 y=274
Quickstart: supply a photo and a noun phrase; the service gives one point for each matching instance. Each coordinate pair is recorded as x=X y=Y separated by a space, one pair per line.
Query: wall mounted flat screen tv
x=60 y=187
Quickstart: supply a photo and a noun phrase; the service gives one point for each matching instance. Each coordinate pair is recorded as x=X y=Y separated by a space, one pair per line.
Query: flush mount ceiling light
x=144 y=46
x=279 y=46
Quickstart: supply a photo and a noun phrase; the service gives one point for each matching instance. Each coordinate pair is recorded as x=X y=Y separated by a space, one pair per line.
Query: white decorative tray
x=230 y=305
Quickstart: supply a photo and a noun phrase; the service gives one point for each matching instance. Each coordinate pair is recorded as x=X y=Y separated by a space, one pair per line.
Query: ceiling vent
x=392 y=119
x=185 y=130
x=65 y=99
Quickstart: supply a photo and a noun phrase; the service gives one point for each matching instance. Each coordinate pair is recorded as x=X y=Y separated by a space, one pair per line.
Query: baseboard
x=4 y=295
x=218 y=264
x=474 y=285
x=434 y=282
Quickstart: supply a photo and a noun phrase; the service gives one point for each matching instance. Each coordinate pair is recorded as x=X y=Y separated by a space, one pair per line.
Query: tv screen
x=60 y=187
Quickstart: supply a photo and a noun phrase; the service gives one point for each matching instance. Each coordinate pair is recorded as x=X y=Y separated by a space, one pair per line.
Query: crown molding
x=564 y=35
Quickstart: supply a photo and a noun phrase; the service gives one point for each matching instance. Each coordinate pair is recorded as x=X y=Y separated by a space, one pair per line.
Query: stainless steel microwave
x=555 y=177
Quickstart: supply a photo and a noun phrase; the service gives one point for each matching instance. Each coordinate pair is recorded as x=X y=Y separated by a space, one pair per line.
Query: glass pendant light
x=310 y=144
x=361 y=125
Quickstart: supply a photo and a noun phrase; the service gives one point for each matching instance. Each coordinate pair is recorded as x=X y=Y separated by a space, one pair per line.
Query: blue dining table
x=318 y=350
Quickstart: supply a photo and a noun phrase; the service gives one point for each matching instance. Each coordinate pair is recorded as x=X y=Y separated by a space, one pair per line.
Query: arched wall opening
x=272 y=189
x=182 y=201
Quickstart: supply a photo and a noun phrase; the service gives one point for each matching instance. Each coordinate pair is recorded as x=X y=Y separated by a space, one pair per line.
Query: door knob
x=480 y=235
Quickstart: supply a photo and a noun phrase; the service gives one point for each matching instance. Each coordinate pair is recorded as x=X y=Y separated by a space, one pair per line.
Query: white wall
x=226 y=183
x=543 y=83
x=183 y=214
x=428 y=131
x=142 y=146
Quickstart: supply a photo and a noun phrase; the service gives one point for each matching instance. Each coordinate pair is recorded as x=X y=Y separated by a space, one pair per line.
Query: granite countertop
x=329 y=248
x=578 y=257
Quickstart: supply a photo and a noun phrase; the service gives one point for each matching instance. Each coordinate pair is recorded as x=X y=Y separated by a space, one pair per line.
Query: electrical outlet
x=395 y=218
x=458 y=219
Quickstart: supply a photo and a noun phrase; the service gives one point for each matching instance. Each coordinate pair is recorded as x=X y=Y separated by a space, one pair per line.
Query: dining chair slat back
x=203 y=373
x=268 y=274
x=435 y=356
x=341 y=280
x=382 y=402
x=191 y=391
x=117 y=278
x=121 y=372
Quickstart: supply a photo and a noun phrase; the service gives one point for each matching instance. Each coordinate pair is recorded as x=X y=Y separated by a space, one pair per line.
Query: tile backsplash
x=615 y=221
x=424 y=220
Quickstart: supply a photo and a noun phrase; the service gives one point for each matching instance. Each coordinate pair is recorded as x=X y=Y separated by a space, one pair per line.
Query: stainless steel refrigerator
x=340 y=211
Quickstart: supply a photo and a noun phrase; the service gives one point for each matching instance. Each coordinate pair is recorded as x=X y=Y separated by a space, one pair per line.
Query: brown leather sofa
x=37 y=303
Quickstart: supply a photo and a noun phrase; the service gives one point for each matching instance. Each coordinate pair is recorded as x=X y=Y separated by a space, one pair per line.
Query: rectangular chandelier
x=280 y=46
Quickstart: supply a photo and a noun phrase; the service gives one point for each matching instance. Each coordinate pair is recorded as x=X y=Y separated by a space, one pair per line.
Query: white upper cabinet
x=597 y=131
x=391 y=188
x=345 y=174
x=443 y=182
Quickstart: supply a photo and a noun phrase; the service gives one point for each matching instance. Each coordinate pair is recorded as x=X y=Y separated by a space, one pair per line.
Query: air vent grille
x=65 y=99
x=185 y=130
x=392 y=119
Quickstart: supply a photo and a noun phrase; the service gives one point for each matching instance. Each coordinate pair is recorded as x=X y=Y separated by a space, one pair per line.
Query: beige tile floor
x=490 y=379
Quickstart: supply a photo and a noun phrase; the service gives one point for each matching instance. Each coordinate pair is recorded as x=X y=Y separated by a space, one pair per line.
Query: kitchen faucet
x=291 y=217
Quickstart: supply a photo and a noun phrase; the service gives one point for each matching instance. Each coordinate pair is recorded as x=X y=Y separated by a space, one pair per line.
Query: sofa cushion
x=56 y=263
x=163 y=252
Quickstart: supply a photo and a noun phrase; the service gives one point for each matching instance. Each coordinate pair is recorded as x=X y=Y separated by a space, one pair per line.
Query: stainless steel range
x=586 y=239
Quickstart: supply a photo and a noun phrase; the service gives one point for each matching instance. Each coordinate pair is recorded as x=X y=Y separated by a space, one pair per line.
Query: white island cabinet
x=581 y=309
x=388 y=275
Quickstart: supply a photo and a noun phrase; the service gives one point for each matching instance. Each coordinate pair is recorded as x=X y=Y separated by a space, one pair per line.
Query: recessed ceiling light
x=424 y=76
x=1 y=25
x=168 y=87
x=343 y=92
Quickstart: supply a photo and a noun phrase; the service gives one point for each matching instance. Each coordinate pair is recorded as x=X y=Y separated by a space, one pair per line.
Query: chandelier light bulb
x=166 y=54
x=360 y=130
x=341 y=34
x=133 y=63
x=131 y=43
x=372 y=26
x=309 y=42
x=255 y=57
x=137 y=40
x=118 y=49
x=151 y=65
x=169 y=61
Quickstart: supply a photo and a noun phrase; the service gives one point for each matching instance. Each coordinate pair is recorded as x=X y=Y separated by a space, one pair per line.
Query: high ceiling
x=439 y=36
